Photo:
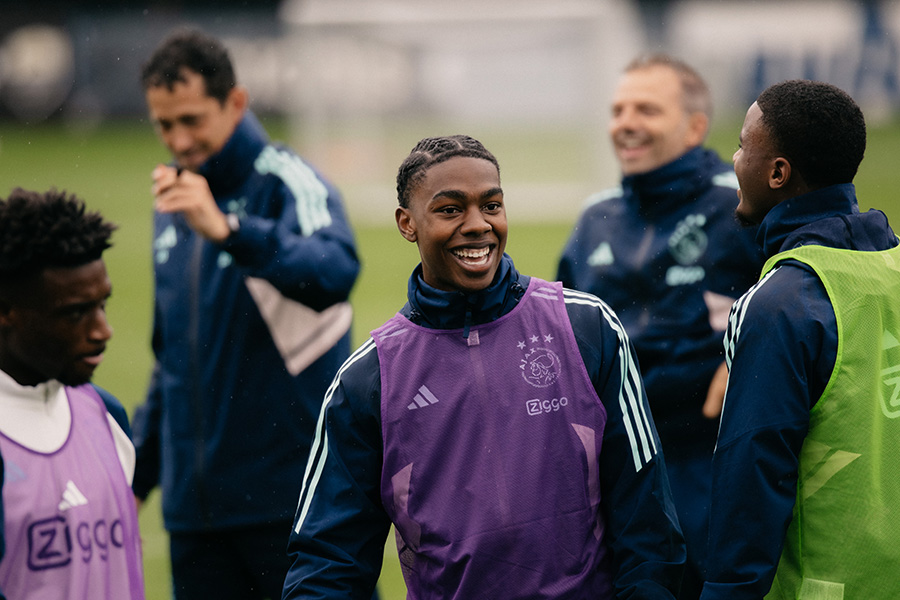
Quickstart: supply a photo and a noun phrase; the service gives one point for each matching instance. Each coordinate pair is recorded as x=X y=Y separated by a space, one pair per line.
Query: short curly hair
x=431 y=151
x=817 y=127
x=51 y=229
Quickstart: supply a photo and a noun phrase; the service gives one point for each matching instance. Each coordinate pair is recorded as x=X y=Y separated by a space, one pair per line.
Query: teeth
x=467 y=253
x=631 y=141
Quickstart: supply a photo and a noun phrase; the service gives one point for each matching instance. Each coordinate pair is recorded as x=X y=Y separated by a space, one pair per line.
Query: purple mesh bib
x=491 y=450
x=70 y=517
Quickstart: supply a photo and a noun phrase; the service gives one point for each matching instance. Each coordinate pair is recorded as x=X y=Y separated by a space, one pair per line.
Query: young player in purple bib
x=68 y=522
x=498 y=421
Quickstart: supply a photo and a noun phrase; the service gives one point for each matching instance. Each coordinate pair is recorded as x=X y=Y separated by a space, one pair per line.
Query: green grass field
x=110 y=168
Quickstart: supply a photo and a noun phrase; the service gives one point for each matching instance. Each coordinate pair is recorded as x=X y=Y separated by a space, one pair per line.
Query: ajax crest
x=540 y=367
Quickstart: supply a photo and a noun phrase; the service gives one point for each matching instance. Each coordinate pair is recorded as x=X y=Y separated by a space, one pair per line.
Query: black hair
x=818 y=128
x=195 y=51
x=695 y=92
x=431 y=151
x=52 y=229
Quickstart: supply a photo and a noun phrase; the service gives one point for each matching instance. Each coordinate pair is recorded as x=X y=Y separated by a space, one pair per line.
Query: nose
x=622 y=119
x=179 y=139
x=735 y=156
x=100 y=329
x=475 y=223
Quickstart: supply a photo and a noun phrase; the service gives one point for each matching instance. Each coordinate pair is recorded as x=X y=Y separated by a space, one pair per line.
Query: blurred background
x=354 y=84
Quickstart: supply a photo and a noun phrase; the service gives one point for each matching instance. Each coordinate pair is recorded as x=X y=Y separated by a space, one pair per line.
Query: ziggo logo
x=50 y=542
x=539 y=407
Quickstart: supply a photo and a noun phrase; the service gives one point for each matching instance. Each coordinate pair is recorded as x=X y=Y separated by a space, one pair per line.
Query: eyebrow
x=458 y=195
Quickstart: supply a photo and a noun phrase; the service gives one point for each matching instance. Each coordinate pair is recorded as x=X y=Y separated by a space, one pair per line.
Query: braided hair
x=431 y=151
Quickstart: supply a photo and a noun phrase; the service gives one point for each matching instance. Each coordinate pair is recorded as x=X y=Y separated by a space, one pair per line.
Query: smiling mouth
x=472 y=256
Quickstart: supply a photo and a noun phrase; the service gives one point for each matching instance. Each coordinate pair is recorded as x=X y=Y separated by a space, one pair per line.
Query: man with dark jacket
x=254 y=261
x=664 y=250
x=497 y=421
x=68 y=524
x=805 y=485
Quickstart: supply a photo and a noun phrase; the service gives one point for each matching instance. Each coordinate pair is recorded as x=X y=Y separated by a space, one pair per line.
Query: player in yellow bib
x=805 y=469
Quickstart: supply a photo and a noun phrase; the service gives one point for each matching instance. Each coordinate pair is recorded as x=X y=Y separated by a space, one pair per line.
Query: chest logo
x=688 y=242
x=540 y=366
x=890 y=377
x=164 y=243
x=601 y=256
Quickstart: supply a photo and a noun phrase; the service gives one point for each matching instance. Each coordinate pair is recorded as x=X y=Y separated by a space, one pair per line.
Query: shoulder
x=586 y=310
x=114 y=408
x=359 y=377
x=595 y=324
x=603 y=201
x=282 y=162
x=788 y=295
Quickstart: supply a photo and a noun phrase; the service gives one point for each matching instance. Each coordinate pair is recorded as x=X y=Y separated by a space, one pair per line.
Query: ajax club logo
x=540 y=366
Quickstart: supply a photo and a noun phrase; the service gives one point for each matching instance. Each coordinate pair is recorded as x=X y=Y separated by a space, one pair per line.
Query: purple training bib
x=70 y=519
x=491 y=456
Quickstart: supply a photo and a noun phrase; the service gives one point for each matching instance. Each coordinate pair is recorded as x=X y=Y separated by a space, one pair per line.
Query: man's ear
x=780 y=174
x=239 y=99
x=405 y=224
x=698 y=127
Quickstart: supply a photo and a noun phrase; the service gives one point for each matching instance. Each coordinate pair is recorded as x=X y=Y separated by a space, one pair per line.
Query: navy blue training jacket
x=784 y=339
x=341 y=525
x=661 y=249
x=226 y=427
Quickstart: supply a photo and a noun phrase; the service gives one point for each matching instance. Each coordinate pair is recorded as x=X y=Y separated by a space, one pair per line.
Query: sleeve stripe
x=318 y=454
x=735 y=322
x=634 y=412
x=310 y=194
x=736 y=318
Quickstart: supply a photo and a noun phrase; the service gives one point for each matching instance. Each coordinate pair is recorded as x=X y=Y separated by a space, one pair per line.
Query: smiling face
x=457 y=218
x=54 y=326
x=758 y=168
x=193 y=125
x=649 y=125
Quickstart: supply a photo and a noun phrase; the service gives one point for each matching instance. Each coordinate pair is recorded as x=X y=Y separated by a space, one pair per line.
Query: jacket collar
x=788 y=219
x=657 y=192
x=234 y=162
x=438 y=309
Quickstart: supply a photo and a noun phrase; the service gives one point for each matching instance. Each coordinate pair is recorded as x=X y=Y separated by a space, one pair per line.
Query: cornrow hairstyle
x=195 y=51
x=431 y=151
x=694 y=90
x=52 y=229
x=818 y=128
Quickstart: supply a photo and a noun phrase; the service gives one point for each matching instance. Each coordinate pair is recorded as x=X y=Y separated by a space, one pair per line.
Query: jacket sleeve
x=340 y=528
x=307 y=249
x=780 y=346
x=145 y=424
x=642 y=527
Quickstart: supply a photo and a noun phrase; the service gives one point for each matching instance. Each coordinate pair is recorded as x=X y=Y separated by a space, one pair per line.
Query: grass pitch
x=109 y=166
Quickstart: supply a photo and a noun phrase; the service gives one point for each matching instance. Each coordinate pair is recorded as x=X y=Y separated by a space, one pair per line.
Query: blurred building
x=362 y=80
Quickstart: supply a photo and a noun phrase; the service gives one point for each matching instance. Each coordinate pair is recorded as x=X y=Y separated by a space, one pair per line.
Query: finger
x=164 y=178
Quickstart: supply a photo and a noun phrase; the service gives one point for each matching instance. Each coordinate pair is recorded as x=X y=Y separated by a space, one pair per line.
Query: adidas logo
x=602 y=255
x=72 y=497
x=422 y=399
